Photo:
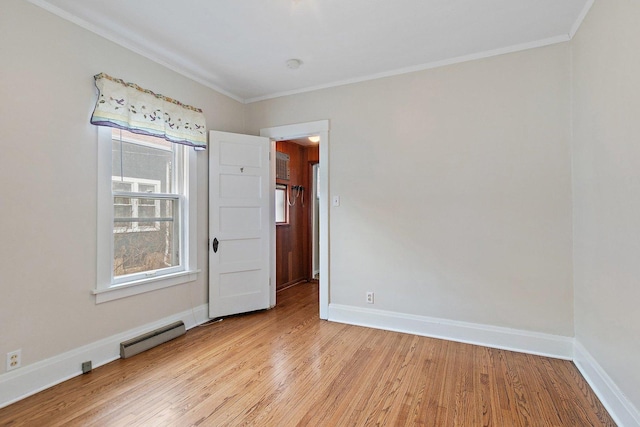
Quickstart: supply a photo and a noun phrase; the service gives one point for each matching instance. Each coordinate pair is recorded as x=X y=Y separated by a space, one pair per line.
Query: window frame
x=108 y=289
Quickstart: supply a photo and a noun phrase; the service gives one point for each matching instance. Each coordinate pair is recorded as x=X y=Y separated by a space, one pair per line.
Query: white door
x=239 y=223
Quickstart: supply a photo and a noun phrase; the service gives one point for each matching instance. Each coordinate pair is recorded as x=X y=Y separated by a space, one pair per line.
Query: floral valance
x=127 y=106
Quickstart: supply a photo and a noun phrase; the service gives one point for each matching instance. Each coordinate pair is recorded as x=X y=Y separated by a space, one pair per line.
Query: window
x=147 y=200
x=281 y=204
x=147 y=210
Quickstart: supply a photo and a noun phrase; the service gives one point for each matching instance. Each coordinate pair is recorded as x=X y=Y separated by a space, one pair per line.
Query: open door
x=239 y=223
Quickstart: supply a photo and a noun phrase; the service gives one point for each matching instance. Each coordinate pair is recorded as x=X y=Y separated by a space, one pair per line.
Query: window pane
x=151 y=241
x=146 y=211
x=146 y=188
x=122 y=201
x=122 y=211
x=149 y=158
x=117 y=185
x=281 y=204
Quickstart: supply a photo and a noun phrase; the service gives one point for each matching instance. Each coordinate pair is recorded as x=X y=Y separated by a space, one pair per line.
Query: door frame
x=313 y=218
x=301 y=130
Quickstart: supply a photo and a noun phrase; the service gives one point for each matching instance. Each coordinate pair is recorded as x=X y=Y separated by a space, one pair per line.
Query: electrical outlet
x=14 y=360
x=369 y=297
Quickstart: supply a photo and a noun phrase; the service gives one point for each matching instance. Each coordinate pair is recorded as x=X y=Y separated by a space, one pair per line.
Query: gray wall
x=48 y=175
x=606 y=176
x=455 y=189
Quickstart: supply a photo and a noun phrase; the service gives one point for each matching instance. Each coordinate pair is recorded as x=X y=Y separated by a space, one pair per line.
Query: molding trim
x=430 y=65
x=145 y=285
x=295 y=130
x=555 y=346
x=177 y=64
x=31 y=379
x=619 y=407
x=197 y=74
x=581 y=18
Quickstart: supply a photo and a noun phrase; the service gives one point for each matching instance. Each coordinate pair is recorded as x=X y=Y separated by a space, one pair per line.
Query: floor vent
x=149 y=340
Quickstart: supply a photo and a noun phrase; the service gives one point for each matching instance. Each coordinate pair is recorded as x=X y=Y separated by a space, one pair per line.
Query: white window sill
x=144 y=285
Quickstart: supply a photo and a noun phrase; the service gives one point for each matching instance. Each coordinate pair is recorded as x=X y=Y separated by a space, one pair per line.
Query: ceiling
x=240 y=47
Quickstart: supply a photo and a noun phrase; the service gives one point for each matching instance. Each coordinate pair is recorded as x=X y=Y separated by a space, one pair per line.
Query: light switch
x=336 y=200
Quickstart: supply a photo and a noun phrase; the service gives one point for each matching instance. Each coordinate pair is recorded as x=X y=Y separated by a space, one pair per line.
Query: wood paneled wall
x=293 y=240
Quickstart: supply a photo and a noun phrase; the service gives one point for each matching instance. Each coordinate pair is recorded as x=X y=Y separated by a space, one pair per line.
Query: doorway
x=292 y=132
x=294 y=199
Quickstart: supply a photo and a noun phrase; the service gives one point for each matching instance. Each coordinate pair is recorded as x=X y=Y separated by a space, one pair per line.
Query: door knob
x=215 y=245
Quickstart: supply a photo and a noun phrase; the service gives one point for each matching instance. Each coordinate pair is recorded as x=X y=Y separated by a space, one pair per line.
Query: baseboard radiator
x=149 y=340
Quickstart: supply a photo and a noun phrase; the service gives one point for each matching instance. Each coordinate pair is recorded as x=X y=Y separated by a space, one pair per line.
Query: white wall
x=48 y=175
x=455 y=189
x=606 y=175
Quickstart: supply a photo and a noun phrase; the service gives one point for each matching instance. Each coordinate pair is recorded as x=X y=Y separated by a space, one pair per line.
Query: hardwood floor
x=284 y=367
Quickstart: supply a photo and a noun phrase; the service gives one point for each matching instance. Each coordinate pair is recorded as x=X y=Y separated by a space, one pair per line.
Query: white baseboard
x=620 y=408
x=28 y=380
x=471 y=333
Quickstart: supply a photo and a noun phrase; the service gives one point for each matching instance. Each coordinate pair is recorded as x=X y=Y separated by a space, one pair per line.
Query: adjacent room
x=429 y=211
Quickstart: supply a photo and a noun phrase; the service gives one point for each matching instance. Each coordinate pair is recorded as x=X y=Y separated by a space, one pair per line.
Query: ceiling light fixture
x=293 y=63
x=314 y=138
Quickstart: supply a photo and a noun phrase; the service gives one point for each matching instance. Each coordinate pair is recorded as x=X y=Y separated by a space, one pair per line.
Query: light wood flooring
x=284 y=367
